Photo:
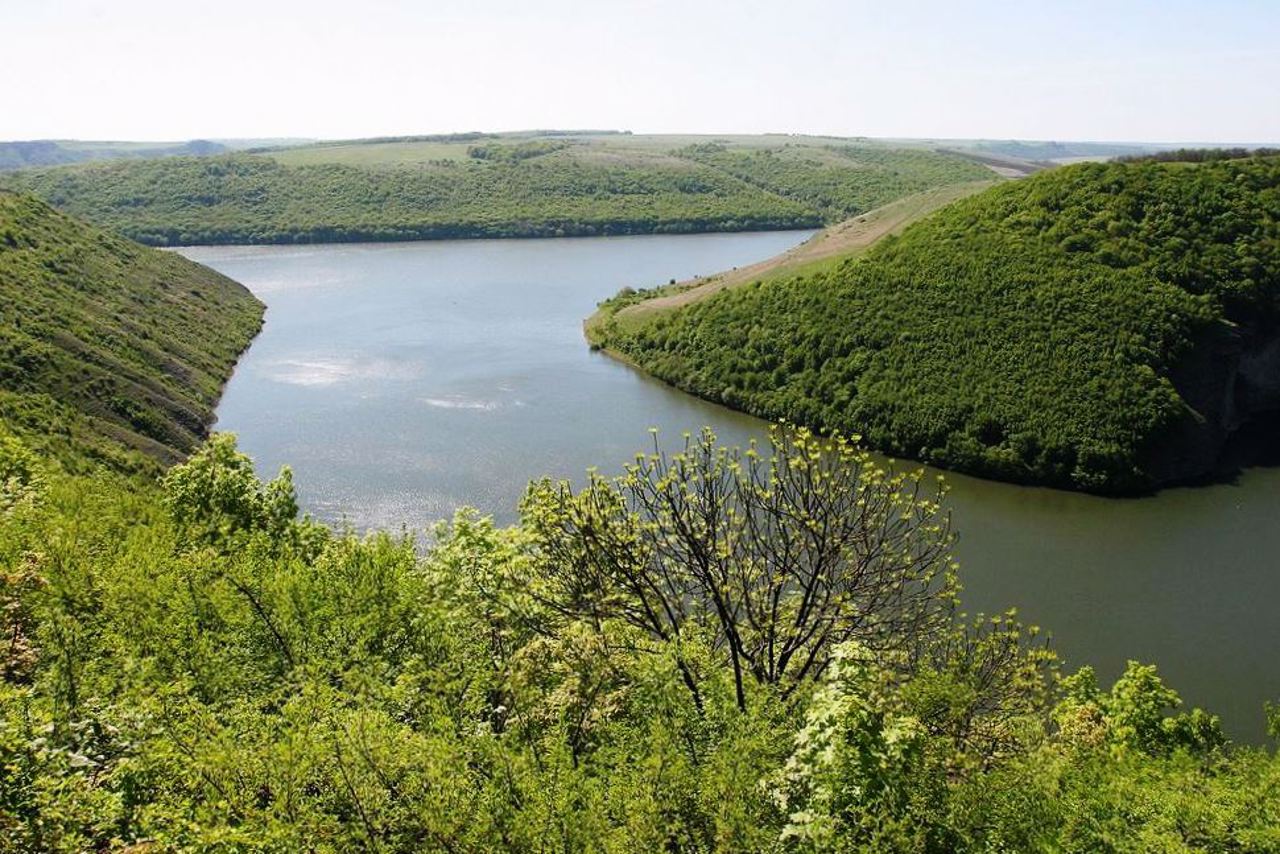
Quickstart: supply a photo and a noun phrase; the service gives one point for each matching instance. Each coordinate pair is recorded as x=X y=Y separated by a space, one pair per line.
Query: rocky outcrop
x=1230 y=382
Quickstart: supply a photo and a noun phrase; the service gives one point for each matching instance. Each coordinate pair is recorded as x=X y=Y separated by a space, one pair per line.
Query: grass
x=822 y=252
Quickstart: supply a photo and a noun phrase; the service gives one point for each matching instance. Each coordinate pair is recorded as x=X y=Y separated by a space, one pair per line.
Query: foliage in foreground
x=196 y=668
x=1076 y=328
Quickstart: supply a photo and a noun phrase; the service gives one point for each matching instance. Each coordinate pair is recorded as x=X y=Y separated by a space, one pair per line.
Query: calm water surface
x=401 y=381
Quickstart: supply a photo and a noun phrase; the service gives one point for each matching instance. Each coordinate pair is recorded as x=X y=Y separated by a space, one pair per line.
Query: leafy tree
x=981 y=686
x=216 y=495
x=776 y=560
x=1132 y=715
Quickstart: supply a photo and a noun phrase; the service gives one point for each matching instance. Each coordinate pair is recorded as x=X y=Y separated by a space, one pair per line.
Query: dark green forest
x=1089 y=327
x=544 y=188
x=721 y=649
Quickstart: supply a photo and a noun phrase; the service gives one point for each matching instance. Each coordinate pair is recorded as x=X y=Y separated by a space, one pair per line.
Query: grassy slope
x=630 y=310
x=1029 y=333
x=106 y=347
x=839 y=181
x=416 y=190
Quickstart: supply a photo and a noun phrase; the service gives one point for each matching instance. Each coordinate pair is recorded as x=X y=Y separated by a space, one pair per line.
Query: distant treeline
x=468 y=136
x=578 y=132
x=541 y=188
x=1201 y=155
x=1049 y=151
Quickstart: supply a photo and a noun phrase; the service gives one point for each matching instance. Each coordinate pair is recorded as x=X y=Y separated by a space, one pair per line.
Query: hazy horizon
x=1098 y=71
x=294 y=138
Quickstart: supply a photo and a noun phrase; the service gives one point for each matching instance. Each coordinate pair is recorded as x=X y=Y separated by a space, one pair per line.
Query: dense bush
x=512 y=153
x=188 y=669
x=1027 y=333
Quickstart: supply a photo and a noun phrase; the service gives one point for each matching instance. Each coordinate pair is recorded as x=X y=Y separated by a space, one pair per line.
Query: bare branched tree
x=778 y=558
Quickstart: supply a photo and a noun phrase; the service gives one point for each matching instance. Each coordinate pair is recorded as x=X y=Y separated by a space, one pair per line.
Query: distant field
x=585 y=146
x=371 y=154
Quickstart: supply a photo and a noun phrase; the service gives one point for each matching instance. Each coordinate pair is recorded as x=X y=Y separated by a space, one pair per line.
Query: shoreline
x=430 y=235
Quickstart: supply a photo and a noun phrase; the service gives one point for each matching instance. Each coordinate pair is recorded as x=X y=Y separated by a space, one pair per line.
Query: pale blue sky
x=1173 y=70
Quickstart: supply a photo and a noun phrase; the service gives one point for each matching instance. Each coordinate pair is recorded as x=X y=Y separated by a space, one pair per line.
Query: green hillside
x=492 y=187
x=838 y=181
x=107 y=347
x=1097 y=327
x=720 y=650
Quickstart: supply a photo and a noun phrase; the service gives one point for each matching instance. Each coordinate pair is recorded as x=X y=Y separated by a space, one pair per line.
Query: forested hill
x=1097 y=327
x=540 y=187
x=106 y=347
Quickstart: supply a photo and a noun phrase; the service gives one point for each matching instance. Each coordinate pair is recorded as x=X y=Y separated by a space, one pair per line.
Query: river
x=401 y=381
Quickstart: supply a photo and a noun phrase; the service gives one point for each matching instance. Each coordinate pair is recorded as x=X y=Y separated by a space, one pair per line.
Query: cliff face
x=1231 y=384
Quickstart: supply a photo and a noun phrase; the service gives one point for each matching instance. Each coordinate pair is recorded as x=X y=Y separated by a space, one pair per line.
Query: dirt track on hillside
x=847 y=238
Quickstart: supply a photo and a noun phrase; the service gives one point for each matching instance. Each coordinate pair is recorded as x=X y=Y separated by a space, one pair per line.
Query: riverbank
x=1060 y=330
